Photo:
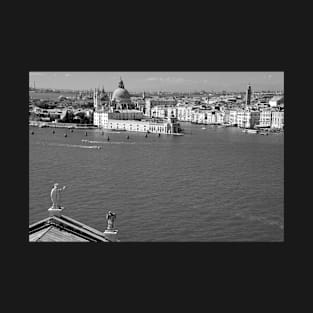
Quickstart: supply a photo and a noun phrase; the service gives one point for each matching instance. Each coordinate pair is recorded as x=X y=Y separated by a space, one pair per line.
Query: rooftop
x=63 y=228
x=59 y=227
x=277 y=98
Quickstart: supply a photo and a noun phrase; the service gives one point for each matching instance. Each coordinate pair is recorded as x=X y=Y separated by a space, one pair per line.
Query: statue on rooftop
x=55 y=196
x=110 y=217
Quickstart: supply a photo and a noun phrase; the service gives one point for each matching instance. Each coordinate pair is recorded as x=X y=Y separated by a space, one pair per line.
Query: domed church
x=123 y=114
x=121 y=99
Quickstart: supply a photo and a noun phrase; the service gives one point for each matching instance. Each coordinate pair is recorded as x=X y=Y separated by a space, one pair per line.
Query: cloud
x=168 y=79
x=36 y=74
x=175 y=79
x=153 y=78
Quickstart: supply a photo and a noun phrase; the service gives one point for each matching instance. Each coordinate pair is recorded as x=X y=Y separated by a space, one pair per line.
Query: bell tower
x=248 y=95
x=95 y=98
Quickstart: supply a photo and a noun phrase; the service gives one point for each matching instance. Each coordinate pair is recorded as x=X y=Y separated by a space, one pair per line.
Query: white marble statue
x=111 y=217
x=55 y=196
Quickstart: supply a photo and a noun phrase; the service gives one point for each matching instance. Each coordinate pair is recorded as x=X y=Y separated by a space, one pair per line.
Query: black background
x=183 y=37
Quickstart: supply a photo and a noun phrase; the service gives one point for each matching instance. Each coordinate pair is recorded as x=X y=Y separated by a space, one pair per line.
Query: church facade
x=119 y=113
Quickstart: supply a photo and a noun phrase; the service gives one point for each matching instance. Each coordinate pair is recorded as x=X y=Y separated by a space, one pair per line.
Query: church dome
x=120 y=93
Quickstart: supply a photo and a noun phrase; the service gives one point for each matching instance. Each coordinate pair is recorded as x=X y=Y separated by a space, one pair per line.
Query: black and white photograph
x=155 y=156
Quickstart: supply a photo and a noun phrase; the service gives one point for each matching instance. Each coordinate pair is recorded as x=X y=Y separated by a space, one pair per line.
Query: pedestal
x=111 y=234
x=55 y=211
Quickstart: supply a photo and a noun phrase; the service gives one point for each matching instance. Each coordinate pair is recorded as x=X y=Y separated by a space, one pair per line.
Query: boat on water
x=203 y=128
x=251 y=131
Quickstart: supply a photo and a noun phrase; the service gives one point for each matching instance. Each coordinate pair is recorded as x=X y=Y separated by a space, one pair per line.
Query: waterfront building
x=164 y=126
x=226 y=116
x=210 y=117
x=161 y=111
x=125 y=115
x=171 y=111
x=219 y=117
x=162 y=102
x=277 y=119
x=184 y=112
x=204 y=116
x=265 y=118
x=158 y=112
x=233 y=116
x=199 y=116
x=241 y=118
x=214 y=117
x=247 y=118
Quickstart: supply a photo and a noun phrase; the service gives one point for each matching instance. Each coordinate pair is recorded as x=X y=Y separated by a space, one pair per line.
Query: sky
x=160 y=81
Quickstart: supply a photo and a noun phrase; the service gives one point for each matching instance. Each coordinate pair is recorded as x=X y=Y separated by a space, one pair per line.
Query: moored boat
x=252 y=131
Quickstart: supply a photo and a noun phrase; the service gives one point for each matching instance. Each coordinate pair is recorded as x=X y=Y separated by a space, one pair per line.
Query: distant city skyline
x=159 y=81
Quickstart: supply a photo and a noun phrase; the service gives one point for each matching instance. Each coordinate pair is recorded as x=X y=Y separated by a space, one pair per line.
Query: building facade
x=233 y=117
x=265 y=118
x=163 y=111
x=150 y=103
x=247 y=118
x=277 y=119
x=163 y=126
x=184 y=113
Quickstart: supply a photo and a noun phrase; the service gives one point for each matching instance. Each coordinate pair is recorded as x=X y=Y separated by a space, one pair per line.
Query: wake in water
x=73 y=146
x=109 y=142
x=119 y=142
x=261 y=219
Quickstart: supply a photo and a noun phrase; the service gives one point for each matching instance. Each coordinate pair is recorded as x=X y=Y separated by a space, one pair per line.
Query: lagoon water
x=213 y=184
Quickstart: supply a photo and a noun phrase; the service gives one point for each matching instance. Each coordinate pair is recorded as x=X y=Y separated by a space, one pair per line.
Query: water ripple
x=212 y=185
